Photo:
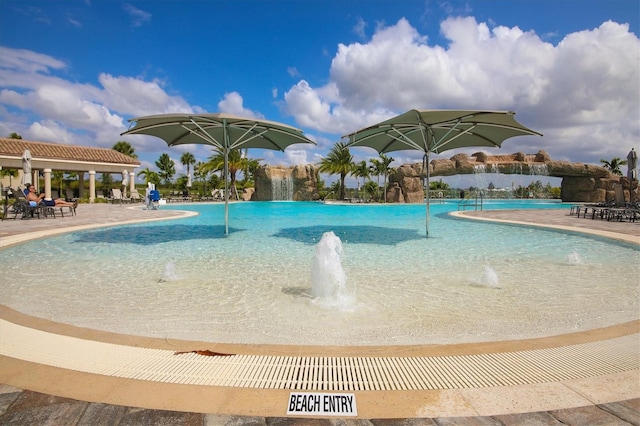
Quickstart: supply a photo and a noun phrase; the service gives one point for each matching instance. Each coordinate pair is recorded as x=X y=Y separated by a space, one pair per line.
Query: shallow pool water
x=469 y=281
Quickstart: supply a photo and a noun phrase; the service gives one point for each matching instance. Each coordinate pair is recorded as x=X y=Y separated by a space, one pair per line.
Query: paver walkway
x=618 y=404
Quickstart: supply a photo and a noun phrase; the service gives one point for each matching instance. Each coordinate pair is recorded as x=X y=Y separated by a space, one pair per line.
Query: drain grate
x=323 y=373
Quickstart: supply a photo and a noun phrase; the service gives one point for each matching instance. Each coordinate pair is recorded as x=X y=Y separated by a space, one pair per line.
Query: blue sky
x=76 y=71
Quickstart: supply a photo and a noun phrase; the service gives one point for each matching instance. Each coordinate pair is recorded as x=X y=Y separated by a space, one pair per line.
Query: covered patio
x=47 y=157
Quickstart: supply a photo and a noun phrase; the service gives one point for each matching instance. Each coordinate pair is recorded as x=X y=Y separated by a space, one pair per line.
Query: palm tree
x=235 y=162
x=187 y=159
x=380 y=167
x=339 y=161
x=148 y=174
x=360 y=170
x=125 y=148
x=251 y=167
x=614 y=165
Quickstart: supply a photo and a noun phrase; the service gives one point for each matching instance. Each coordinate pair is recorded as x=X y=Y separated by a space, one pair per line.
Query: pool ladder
x=473 y=199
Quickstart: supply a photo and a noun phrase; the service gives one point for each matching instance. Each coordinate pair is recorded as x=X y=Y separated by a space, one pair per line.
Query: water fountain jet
x=328 y=279
x=169 y=273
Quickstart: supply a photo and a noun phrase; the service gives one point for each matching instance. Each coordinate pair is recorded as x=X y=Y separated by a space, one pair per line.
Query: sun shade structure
x=222 y=131
x=436 y=131
x=26 y=167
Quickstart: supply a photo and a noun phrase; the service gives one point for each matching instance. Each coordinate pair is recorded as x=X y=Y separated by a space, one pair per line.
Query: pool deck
x=52 y=373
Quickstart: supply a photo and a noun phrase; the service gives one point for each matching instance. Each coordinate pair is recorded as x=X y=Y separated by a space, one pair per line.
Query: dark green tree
x=149 y=176
x=380 y=167
x=235 y=162
x=187 y=159
x=338 y=162
x=167 y=167
x=360 y=170
x=125 y=148
x=614 y=165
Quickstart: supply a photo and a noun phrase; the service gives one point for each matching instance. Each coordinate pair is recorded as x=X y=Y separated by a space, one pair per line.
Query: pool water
x=468 y=282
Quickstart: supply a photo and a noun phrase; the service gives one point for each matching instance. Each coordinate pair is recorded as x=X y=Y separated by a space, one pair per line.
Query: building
x=47 y=157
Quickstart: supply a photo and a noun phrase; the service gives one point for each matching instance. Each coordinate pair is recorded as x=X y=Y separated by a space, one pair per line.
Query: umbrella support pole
x=226 y=179
x=428 y=200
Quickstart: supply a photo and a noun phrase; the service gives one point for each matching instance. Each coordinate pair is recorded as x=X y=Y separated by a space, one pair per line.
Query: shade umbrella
x=632 y=164
x=125 y=182
x=26 y=167
x=436 y=131
x=222 y=131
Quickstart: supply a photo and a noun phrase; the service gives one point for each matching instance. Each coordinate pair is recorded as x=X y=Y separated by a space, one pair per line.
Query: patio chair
x=116 y=196
x=69 y=195
x=135 y=196
x=23 y=207
x=55 y=196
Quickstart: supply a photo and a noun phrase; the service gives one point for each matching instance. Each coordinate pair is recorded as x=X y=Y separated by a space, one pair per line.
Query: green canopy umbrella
x=222 y=131
x=438 y=131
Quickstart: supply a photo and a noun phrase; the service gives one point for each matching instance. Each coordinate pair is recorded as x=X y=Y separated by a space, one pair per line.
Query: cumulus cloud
x=64 y=111
x=232 y=103
x=582 y=92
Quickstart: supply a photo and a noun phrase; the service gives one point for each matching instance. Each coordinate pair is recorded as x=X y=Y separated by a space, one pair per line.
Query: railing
x=473 y=199
x=326 y=197
x=438 y=195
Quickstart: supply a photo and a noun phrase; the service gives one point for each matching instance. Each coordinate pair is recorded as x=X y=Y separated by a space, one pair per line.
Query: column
x=47 y=183
x=132 y=183
x=92 y=186
x=81 y=185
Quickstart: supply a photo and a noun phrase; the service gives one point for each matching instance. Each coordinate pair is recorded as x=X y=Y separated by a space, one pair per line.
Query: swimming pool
x=468 y=282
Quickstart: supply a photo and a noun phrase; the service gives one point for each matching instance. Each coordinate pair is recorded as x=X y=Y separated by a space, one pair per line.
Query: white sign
x=326 y=404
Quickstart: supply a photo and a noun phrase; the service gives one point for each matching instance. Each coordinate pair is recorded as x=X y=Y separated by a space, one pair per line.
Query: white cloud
x=582 y=93
x=138 y=16
x=232 y=103
x=64 y=111
x=296 y=156
x=359 y=28
x=133 y=96
x=27 y=61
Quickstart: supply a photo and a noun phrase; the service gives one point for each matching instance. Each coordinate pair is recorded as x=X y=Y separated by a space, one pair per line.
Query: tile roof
x=57 y=151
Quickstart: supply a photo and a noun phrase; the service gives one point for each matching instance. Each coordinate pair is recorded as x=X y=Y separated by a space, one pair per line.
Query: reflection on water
x=184 y=279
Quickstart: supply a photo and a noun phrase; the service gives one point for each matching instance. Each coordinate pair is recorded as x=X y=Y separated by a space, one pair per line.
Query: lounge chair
x=55 y=196
x=24 y=207
x=69 y=196
x=136 y=196
x=116 y=196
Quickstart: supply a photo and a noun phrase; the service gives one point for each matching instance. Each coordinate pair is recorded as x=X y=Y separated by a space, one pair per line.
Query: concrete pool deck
x=69 y=375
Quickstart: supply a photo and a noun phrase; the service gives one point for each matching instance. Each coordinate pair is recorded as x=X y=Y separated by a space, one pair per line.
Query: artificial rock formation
x=298 y=183
x=580 y=182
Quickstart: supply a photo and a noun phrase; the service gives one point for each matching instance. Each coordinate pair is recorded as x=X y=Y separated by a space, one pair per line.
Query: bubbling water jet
x=489 y=278
x=169 y=273
x=574 y=258
x=328 y=279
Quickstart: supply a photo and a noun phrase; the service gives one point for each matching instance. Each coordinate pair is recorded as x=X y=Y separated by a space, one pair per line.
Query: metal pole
x=428 y=192
x=226 y=177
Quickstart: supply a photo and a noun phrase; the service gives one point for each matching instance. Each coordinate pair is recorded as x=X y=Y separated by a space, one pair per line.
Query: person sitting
x=32 y=197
